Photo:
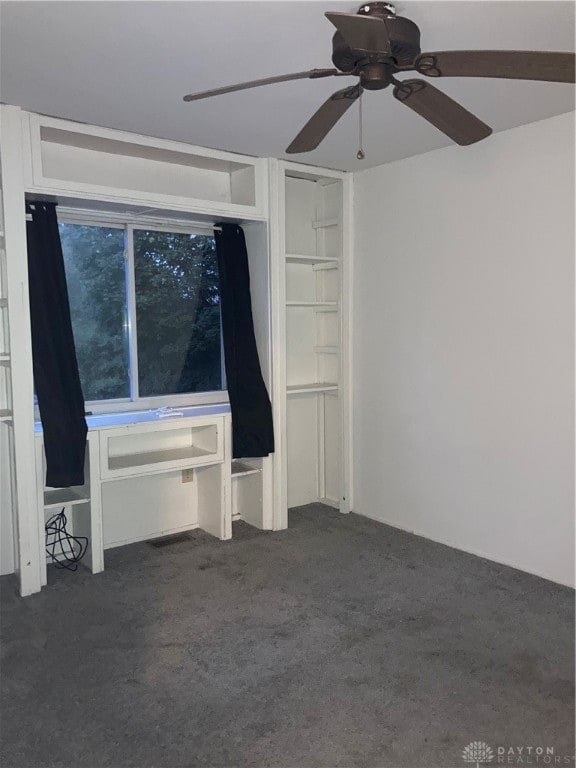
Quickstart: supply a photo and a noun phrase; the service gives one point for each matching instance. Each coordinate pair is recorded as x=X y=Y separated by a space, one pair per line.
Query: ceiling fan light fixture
x=375 y=77
x=374 y=44
x=377 y=9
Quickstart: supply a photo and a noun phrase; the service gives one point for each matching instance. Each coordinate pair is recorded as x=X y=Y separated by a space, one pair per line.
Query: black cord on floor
x=64 y=550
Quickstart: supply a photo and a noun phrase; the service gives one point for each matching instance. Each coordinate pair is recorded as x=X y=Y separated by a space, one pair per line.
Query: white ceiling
x=127 y=65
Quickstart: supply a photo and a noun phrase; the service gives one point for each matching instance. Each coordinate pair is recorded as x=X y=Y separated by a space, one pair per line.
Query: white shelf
x=149 y=458
x=110 y=165
x=319 y=306
x=313 y=396
x=63 y=497
x=4 y=358
x=141 y=449
x=323 y=266
x=296 y=258
x=240 y=469
x=327 y=350
x=5 y=414
x=323 y=223
x=303 y=389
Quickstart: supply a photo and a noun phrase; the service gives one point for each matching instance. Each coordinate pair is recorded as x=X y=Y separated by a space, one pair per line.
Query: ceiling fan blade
x=551 y=66
x=362 y=33
x=310 y=74
x=322 y=121
x=443 y=112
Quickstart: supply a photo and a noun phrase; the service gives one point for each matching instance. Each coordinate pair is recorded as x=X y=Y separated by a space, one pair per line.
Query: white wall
x=464 y=346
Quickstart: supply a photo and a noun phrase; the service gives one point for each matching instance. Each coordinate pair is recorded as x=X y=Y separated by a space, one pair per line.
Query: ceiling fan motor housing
x=404 y=39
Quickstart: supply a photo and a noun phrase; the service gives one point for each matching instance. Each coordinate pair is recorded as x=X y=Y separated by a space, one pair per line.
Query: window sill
x=98 y=421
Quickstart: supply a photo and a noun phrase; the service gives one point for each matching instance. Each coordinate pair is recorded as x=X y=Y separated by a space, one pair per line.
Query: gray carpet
x=339 y=642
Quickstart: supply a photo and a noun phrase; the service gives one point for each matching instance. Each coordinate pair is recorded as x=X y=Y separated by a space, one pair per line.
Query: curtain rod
x=141 y=216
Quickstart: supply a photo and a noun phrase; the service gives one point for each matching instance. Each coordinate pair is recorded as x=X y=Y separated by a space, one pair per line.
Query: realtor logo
x=477 y=752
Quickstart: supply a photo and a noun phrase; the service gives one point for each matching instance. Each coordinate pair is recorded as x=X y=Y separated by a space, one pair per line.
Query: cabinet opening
x=82 y=158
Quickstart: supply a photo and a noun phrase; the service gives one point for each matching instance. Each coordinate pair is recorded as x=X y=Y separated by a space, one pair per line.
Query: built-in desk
x=195 y=441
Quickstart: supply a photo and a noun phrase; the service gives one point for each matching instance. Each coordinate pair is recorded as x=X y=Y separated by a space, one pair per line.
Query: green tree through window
x=177 y=313
x=177 y=306
x=95 y=274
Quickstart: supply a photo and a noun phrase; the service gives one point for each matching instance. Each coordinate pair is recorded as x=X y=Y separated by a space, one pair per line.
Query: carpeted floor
x=339 y=642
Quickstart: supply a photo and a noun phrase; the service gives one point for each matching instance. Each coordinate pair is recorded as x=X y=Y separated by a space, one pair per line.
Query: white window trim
x=128 y=223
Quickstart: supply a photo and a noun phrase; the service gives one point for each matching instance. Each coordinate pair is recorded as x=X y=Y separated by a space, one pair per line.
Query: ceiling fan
x=375 y=45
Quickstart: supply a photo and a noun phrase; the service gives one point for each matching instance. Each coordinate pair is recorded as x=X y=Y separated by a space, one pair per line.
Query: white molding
x=346 y=357
x=190 y=400
x=225 y=211
x=130 y=278
x=226 y=479
x=39 y=450
x=118 y=220
x=96 y=538
x=26 y=528
x=278 y=310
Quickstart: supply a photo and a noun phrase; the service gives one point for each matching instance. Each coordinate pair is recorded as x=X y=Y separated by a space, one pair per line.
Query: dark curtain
x=252 y=430
x=56 y=376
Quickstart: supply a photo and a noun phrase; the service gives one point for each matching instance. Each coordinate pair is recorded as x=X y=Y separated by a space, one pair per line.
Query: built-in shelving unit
x=112 y=165
x=82 y=506
x=119 y=458
x=249 y=497
x=314 y=413
x=7 y=549
x=139 y=485
x=162 y=477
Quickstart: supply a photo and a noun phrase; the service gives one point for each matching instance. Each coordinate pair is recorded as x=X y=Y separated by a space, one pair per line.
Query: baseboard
x=476 y=552
x=329 y=502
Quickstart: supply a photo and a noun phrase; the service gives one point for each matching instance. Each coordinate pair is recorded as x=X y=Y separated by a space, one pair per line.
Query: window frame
x=128 y=223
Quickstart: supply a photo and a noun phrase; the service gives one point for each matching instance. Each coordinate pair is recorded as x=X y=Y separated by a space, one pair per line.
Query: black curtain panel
x=252 y=430
x=56 y=376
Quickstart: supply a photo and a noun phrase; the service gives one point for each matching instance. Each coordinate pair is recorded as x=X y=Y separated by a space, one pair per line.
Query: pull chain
x=360 y=154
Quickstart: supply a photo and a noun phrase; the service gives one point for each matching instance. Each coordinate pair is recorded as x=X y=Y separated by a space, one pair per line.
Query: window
x=145 y=309
x=177 y=313
x=96 y=278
